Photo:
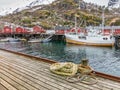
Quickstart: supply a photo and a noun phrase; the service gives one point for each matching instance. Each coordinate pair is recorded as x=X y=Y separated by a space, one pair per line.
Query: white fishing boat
x=93 y=39
x=45 y=40
x=9 y=39
x=34 y=40
x=48 y=39
x=42 y=40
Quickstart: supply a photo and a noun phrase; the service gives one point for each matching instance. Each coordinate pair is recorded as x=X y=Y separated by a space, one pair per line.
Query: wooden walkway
x=23 y=73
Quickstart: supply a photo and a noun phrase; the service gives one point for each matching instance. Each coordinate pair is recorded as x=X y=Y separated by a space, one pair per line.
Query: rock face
x=62 y=12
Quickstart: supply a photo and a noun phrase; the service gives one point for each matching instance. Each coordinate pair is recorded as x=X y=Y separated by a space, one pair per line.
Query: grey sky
x=99 y=2
x=13 y=3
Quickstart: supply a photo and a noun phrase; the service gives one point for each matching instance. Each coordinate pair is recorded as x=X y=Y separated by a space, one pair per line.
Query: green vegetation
x=117 y=23
x=26 y=21
x=62 y=12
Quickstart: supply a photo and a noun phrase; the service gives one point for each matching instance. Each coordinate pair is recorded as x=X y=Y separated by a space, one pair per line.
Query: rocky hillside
x=63 y=12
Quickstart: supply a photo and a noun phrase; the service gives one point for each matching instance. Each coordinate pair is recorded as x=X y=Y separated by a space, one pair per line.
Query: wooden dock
x=19 y=72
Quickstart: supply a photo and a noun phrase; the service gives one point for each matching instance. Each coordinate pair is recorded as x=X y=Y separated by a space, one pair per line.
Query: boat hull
x=34 y=41
x=90 y=44
x=9 y=40
x=98 y=41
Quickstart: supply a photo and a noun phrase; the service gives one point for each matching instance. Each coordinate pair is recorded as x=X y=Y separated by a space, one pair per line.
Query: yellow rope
x=75 y=73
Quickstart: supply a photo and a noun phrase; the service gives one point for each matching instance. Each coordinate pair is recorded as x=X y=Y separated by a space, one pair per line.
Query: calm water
x=102 y=59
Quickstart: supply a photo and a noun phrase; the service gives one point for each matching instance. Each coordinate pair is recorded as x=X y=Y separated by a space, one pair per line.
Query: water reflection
x=102 y=59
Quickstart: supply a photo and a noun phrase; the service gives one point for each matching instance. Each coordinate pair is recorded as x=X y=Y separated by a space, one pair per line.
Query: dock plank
x=21 y=82
x=24 y=77
x=5 y=85
x=38 y=76
x=12 y=82
x=23 y=73
x=83 y=85
x=99 y=86
x=29 y=79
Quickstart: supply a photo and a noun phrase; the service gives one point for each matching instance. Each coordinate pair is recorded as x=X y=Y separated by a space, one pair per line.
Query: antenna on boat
x=75 y=22
x=103 y=18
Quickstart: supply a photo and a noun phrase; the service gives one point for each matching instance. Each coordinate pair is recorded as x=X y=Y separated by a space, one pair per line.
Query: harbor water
x=102 y=59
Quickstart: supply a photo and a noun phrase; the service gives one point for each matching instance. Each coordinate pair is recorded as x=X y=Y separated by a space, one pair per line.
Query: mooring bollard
x=84 y=62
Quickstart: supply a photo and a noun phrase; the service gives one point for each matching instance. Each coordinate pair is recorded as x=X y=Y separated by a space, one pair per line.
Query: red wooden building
x=38 y=29
x=20 y=30
x=7 y=29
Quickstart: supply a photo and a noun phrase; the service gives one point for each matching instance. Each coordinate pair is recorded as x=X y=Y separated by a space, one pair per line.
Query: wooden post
x=84 y=62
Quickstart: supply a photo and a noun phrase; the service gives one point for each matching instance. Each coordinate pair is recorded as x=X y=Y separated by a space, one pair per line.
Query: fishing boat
x=9 y=39
x=34 y=40
x=92 y=37
x=42 y=40
x=48 y=39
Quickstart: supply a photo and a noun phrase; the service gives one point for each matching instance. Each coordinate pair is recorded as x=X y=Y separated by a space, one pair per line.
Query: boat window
x=81 y=37
x=105 y=38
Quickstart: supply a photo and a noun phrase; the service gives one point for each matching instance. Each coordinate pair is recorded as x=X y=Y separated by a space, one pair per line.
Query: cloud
x=99 y=2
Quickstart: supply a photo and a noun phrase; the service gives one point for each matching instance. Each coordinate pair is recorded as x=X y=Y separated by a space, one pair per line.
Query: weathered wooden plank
x=29 y=79
x=13 y=56
x=109 y=85
x=2 y=87
x=12 y=82
x=97 y=87
x=83 y=85
x=5 y=60
x=79 y=86
x=21 y=82
x=42 y=69
x=32 y=75
x=5 y=85
x=40 y=77
x=109 y=81
x=18 y=75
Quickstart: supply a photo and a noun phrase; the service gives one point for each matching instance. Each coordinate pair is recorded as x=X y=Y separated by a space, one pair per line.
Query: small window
x=105 y=38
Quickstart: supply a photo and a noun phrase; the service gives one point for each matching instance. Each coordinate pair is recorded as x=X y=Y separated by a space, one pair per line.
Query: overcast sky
x=100 y=2
x=13 y=3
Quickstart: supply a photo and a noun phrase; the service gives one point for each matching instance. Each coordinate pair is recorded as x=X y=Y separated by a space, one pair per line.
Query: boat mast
x=75 y=24
x=103 y=19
